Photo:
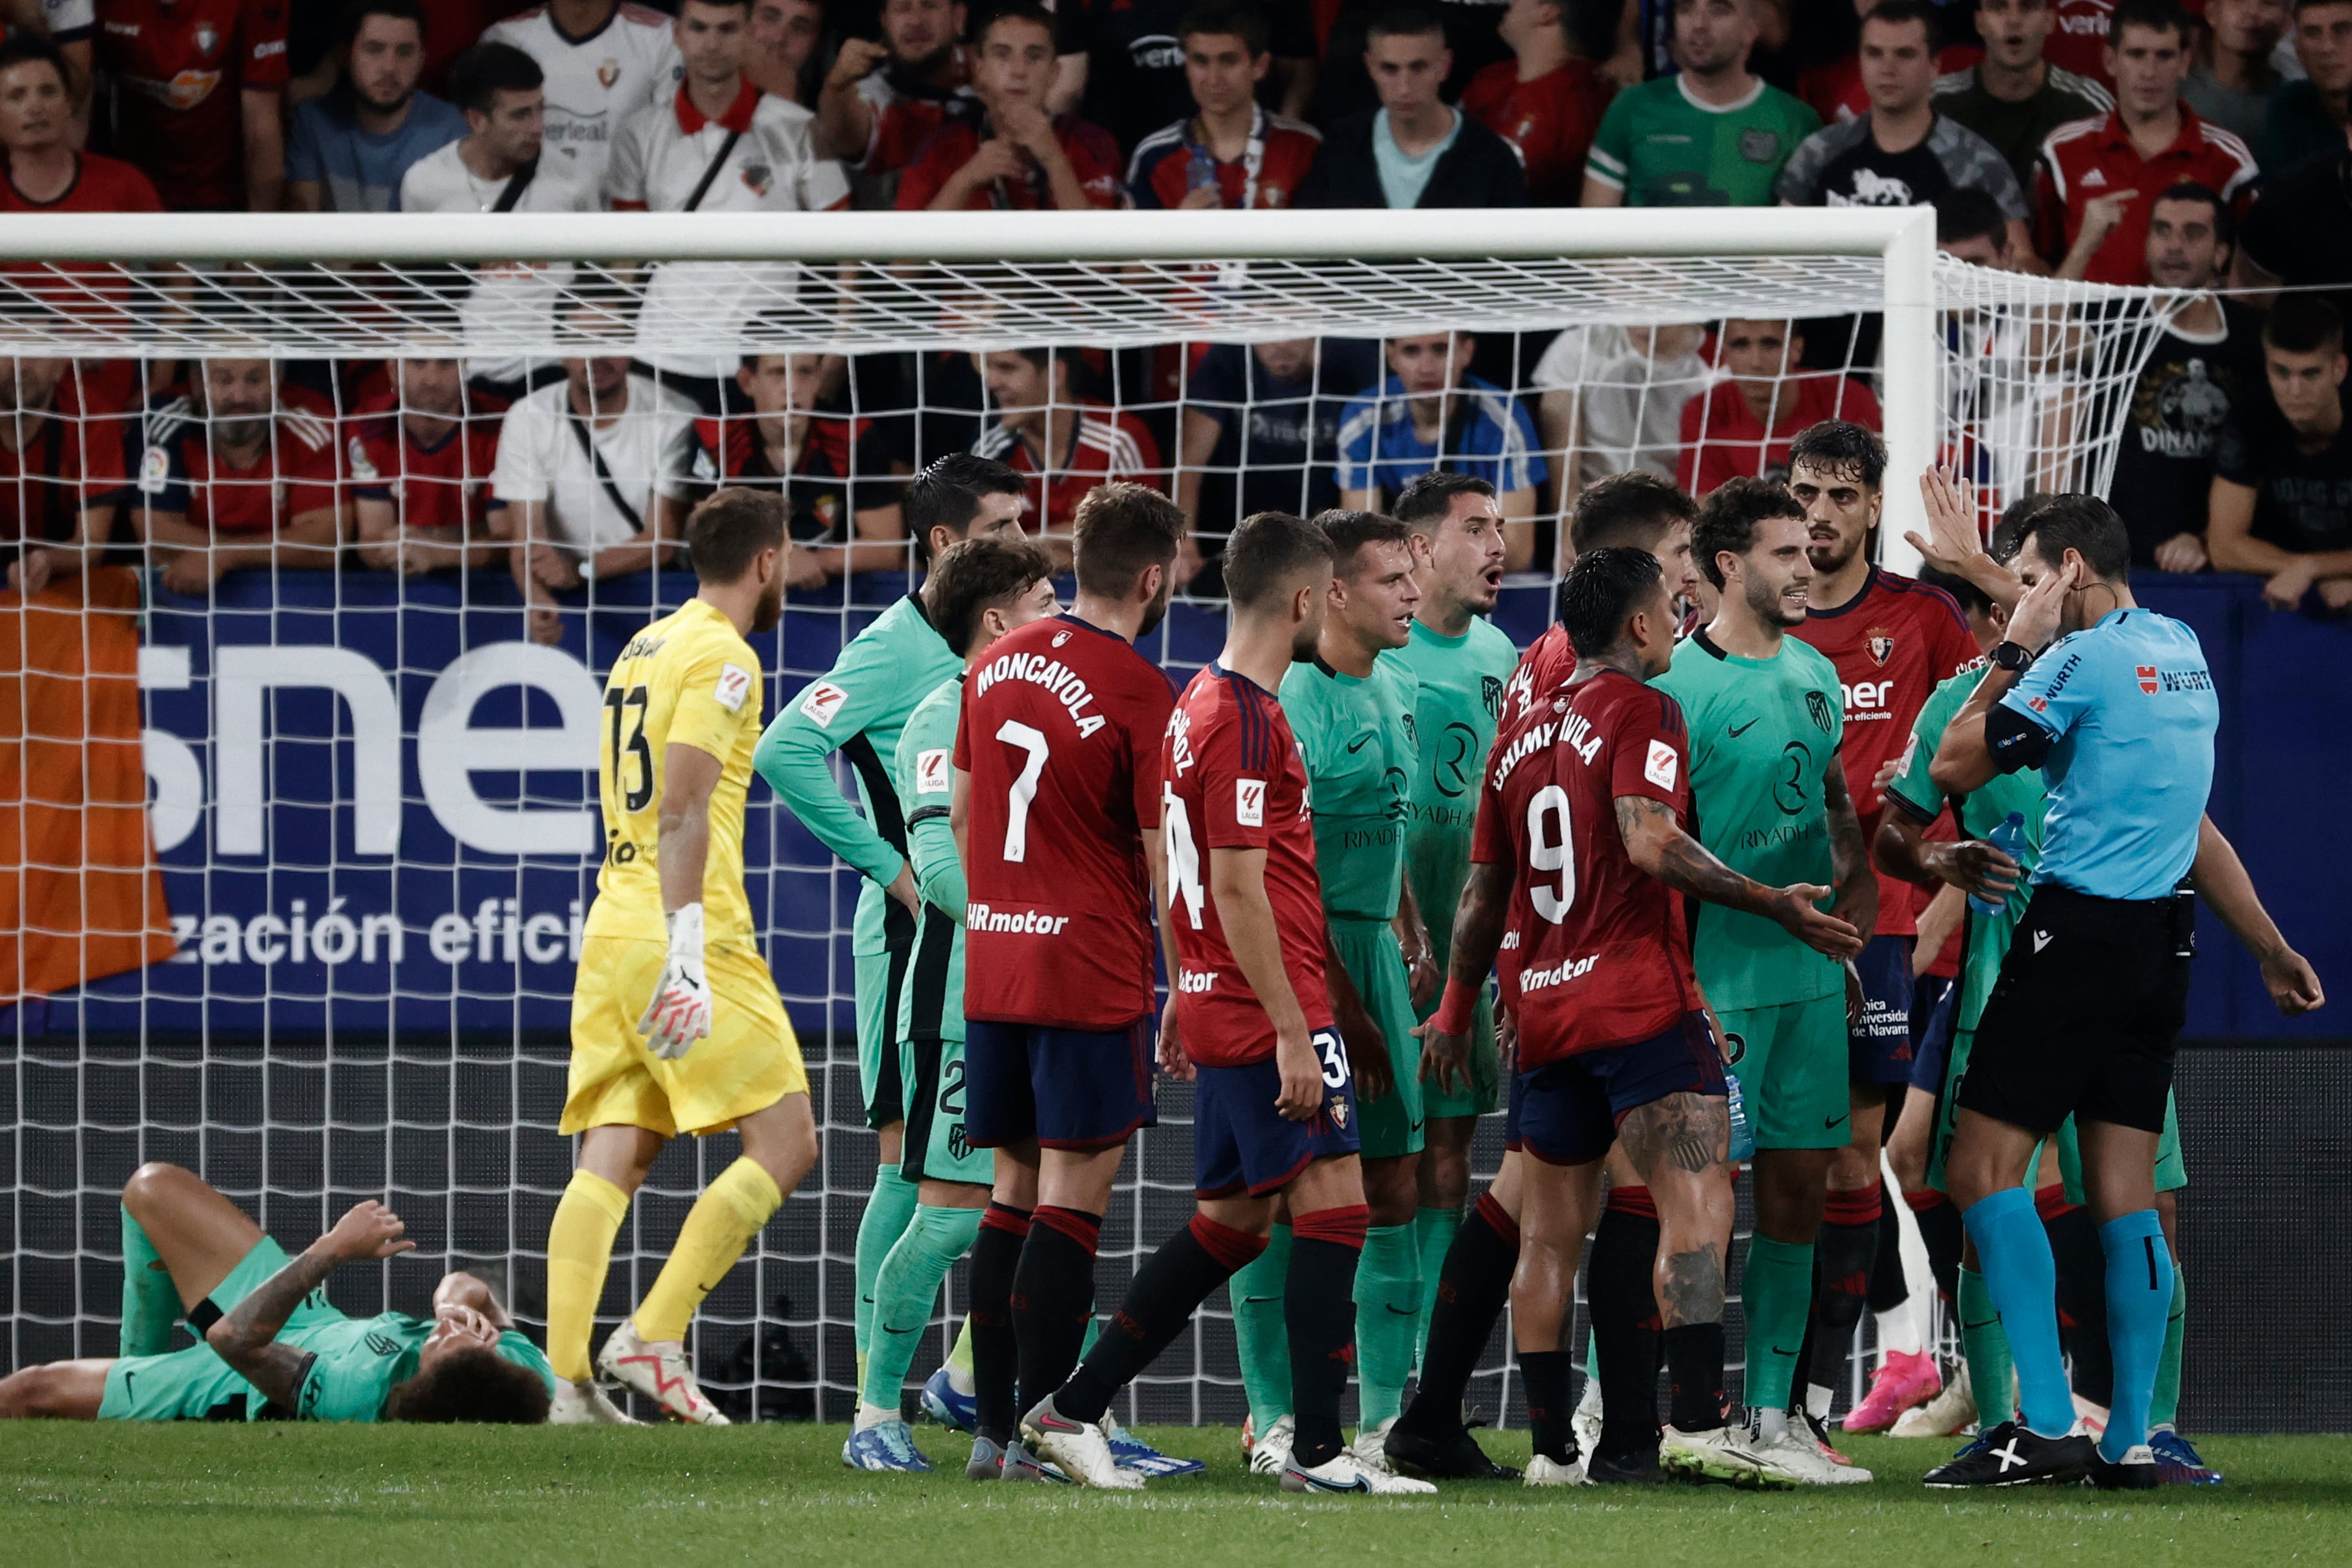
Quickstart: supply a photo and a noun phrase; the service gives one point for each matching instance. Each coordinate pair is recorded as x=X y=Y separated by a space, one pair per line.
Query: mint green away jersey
x=359 y=1360
x=1979 y=812
x=1357 y=736
x=1457 y=703
x=1764 y=734
x=857 y=708
x=932 y=1007
x=1664 y=149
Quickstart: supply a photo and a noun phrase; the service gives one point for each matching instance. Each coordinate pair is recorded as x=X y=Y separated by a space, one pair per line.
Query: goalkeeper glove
x=679 y=1013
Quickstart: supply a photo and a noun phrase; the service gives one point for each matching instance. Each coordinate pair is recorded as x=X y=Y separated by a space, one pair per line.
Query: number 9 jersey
x=1604 y=957
x=688 y=679
x=1060 y=737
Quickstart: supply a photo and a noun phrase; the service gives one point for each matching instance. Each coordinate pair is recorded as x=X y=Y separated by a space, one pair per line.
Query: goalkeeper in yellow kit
x=675 y=1026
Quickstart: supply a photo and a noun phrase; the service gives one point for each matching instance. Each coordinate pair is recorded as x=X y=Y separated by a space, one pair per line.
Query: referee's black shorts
x=2083 y=1019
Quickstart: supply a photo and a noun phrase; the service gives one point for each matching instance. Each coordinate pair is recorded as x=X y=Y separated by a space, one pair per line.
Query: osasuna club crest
x=607 y=73
x=1879 y=644
x=1818 y=705
x=207 y=37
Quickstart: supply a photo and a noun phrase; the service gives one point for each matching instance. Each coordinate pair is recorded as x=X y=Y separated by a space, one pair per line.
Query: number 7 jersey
x=688 y=679
x=1060 y=735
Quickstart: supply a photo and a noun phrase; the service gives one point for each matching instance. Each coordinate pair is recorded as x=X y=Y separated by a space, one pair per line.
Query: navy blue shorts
x=1241 y=1144
x=1878 y=1050
x=1512 y=1096
x=1067 y=1088
x=1934 y=1003
x=1569 y=1110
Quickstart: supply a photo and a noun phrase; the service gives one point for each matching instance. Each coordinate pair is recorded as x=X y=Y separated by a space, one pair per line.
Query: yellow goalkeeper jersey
x=688 y=679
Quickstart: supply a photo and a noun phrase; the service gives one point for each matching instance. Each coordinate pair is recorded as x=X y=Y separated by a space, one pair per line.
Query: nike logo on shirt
x=1740 y=729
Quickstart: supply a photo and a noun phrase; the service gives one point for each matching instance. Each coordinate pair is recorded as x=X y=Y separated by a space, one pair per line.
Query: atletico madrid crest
x=1879 y=643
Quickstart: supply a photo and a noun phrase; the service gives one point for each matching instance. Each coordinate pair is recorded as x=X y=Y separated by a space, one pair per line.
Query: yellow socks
x=722 y=1222
x=579 y=1249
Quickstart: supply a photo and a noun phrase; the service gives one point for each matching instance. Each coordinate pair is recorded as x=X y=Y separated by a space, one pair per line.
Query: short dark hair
x=1429 y=497
x=1225 y=18
x=1265 y=551
x=1969 y=212
x=359 y=11
x=2303 y=324
x=2083 y=524
x=1635 y=508
x=726 y=533
x=1727 y=519
x=2225 y=227
x=2009 y=531
x=28 y=48
x=948 y=491
x=1017 y=11
x=2157 y=15
x=485 y=70
x=1972 y=598
x=1599 y=592
x=1403 y=20
x=473 y=1384
x=1842 y=447
x=1118 y=532
x=970 y=575
x=1895 y=13
x=1351 y=531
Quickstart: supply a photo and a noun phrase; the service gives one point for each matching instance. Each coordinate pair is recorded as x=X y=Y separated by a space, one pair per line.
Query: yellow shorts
x=750 y=1061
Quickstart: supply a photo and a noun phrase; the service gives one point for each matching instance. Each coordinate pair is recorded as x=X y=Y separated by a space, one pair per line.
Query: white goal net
x=303 y=824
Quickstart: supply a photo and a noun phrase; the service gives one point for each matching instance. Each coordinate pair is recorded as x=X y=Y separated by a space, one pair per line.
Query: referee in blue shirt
x=2119 y=714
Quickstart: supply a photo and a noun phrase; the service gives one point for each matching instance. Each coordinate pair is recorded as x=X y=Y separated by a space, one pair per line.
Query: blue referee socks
x=2139 y=1308
x=2022 y=1277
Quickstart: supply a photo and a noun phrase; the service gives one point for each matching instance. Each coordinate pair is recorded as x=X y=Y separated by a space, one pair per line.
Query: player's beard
x=772 y=607
x=1305 y=641
x=1157 y=611
x=1832 y=556
x=1769 y=607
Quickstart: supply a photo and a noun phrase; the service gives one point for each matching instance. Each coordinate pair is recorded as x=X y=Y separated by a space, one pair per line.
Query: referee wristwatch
x=2011 y=656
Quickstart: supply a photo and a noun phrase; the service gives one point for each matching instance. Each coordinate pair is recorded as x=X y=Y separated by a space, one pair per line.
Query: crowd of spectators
x=2114 y=142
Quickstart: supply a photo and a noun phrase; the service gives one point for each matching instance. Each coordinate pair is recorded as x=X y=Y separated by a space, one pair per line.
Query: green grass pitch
x=164 y=1497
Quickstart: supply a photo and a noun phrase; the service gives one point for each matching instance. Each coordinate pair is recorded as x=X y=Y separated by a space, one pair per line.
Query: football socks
x=1261 y=1341
x=2082 y=1265
x=1888 y=1286
x=1777 y=1289
x=721 y=1223
x=1318 y=1307
x=1054 y=1297
x=1388 y=1319
x=2165 y=1403
x=1545 y=1372
x=1168 y=1289
x=905 y=1291
x=2022 y=1277
x=2140 y=1307
x=578 y=1250
x=1985 y=1349
x=888 y=1211
x=1433 y=1232
x=1473 y=1285
x=1843 y=1253
x=1620 y=1286
x=150 y=1302
x=995 y=1357
x=1939 y=1228
x=1693 y=1378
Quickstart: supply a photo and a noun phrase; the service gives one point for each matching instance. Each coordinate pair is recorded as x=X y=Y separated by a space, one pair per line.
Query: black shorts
x=2083 y=1019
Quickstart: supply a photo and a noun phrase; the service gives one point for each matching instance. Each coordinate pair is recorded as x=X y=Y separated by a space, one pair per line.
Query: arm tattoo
x=1848 y=858
x=1478 y=920
x=1684 y=864
x=247 y=1337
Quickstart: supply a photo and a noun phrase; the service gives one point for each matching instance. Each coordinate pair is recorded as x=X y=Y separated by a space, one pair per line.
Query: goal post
x=373 y=802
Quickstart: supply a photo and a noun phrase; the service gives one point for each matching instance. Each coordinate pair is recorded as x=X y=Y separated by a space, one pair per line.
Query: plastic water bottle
x=2009 y=840
x=1743 y=1136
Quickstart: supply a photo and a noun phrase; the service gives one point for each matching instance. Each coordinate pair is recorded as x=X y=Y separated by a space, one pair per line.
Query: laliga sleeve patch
x=1249 y=802
x=155 y=471
x=1663 y=767
x=822 y=702
x=734 y=685
x=934 y=772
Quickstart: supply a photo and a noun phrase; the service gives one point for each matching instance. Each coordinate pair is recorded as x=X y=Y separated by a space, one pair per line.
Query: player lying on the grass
x=272 y=1349
x=676 y=1023
x=978 y=590
x=1636 y=511
x=1580 y=852
x=1275 y=1113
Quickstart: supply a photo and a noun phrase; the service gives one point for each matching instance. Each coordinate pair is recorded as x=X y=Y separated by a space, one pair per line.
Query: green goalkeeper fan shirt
x=1457 y=703
x=1764 y=734
x=1979 y=812
x=1664 y=149
x=1358 y=741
